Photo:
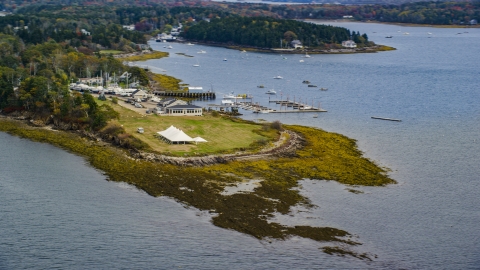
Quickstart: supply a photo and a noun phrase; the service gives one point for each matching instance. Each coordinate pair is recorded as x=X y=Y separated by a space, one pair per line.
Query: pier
x=296 y=107
x=204 y=95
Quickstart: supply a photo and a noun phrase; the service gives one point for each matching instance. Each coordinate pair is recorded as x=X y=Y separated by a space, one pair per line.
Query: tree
x=289 y=36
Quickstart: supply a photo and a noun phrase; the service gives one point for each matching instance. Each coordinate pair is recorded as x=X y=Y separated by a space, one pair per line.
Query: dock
x=387 y=119
x=296 y=108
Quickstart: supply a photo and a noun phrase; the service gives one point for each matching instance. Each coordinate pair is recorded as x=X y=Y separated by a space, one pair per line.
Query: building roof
x=187 y=106
x=139 y=92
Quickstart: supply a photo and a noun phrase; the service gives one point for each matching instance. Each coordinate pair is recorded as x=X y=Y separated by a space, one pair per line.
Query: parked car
x=138 y=105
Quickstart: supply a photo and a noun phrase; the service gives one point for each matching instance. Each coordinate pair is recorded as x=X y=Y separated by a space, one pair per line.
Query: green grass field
x=223 y=135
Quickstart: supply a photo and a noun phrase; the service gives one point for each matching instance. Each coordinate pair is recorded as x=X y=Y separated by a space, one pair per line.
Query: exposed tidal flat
x=324 y=156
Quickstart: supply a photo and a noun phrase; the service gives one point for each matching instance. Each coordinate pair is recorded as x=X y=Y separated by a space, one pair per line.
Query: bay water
x=57 y=212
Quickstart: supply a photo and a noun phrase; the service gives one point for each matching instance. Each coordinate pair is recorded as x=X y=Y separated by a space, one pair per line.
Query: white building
x=296 y=44
x=129 y=27
x=349 y=44
x=183 y=110
x=139 y=94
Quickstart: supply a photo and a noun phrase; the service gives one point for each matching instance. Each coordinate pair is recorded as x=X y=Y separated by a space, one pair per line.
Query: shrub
x=112 y=129
x=114 y=100
x=276 y=125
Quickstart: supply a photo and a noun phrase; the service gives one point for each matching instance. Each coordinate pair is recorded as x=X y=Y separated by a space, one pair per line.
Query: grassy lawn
x=145 y=56
x=110 y=52
x=223 y=135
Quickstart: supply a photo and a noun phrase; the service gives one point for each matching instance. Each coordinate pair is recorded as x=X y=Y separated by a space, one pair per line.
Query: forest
x=418 y=12
x=265 y=32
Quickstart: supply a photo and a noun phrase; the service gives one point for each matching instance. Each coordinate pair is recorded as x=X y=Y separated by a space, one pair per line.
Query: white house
x=129 y=27
x=296 y=44
x=349 y=44
x=85 y=32
x=139 y=94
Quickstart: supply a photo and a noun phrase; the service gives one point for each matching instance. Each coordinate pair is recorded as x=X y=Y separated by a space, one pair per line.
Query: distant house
x=473 y=22
x=296 y=44
x=348 y=17
x=184 y=110
x=129 y=27
x=349 y=44
x=165 y=37
x=85 y=32
x=139 y=94
x=124 y=76
x=18 y=28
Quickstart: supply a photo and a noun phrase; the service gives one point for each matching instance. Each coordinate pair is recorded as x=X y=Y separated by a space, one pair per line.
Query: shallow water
x=57 y=212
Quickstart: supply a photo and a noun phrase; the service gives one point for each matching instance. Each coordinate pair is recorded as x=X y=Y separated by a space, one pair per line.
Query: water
x=62 y=214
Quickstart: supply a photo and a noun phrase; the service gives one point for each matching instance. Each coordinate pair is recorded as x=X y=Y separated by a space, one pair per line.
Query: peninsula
x=54 y=80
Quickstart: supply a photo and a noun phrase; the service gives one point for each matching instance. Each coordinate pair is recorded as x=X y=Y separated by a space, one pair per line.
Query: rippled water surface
x=57 y=212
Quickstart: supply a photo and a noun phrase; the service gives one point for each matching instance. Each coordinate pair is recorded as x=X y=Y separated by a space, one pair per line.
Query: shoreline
x=396 y=23
x=324 y=155
x=374 y=49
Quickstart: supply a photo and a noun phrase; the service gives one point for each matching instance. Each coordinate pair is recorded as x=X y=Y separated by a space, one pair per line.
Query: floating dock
x=387 y=119
x=296 y=106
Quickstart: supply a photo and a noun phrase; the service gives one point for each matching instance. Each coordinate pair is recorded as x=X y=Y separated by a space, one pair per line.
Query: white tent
x=199 y=139
x=175 y=135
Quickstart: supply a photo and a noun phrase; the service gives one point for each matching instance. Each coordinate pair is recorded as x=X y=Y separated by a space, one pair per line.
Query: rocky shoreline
x=372 y=49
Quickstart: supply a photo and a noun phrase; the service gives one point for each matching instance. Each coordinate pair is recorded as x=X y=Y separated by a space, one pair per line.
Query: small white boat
x=278 y=77
x=301 y=61
x=307 y=56
x=261 y=111
x=201 y=51
x=190 y=44
x=231 y=95
x=406 y=33
x=243 y=51
x=271 y=92
x=169 y=47
x=196 y=65
x=315 y=116
x=224 y=59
